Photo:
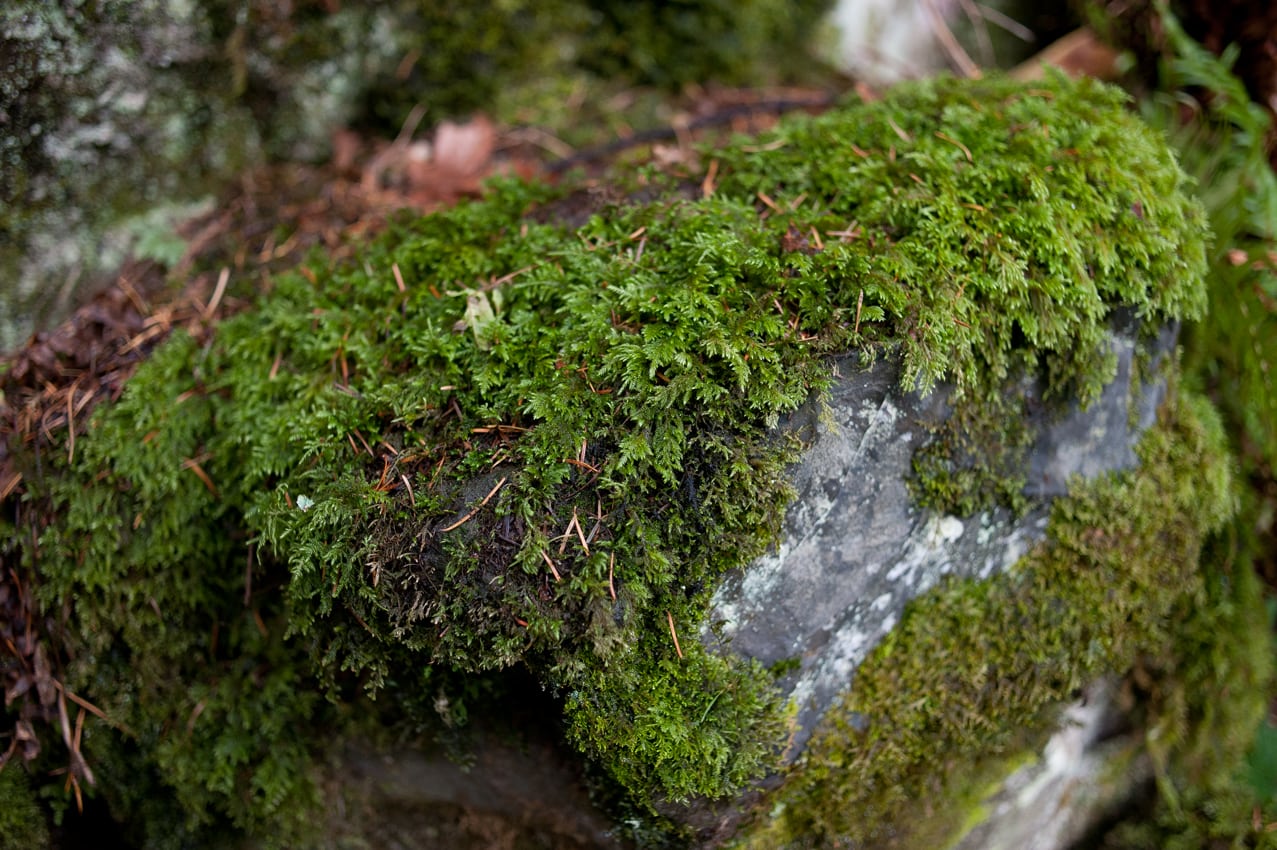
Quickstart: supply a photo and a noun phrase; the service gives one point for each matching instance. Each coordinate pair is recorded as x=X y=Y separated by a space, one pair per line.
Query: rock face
x=856 y=547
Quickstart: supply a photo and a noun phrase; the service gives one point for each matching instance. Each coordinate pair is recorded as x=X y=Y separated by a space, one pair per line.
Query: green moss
x=1222 y=141
x=978 y=670
x=22 y=824
x=496 y=440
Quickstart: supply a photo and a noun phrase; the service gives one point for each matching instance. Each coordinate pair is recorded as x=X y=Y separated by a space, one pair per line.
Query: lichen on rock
x=498 y=440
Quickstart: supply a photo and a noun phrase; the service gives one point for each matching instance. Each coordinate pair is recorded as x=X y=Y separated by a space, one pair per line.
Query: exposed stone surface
x=111 y=109
x=1087 y=770
x=856 y=547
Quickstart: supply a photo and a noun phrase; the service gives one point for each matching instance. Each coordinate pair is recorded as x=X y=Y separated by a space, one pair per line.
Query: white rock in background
x=884 y=41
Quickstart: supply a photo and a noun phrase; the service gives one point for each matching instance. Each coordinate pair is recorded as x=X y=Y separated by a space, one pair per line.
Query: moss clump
x=977 y=670
x=498 y=440
x=22 y=824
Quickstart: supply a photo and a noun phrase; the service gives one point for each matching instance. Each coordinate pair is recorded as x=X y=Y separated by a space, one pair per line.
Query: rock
x=1088 y=771
x=425 y=510
x=857 y=548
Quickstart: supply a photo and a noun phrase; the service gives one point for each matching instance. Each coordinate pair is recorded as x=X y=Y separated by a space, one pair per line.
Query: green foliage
x=468 y=57
x=1224 y=146
x=466 y=54
x=497 y=440
x=998 y=227
x=977 y=670
x=1220 y=136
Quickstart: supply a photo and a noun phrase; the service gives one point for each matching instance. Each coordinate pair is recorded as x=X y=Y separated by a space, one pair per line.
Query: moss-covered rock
x=976 y=672
x=498 y=440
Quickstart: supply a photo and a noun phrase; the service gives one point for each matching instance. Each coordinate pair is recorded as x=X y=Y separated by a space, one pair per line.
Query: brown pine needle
x=677 y=648
x=550 y=561
x=193 y=466
x=218 y=292
x=398 y=277
x=768 y=202
x=580 y=535
x=953 y=141
x=477 y=507
x=587 y=467
x=86 y=705
x=611 y=565
x=71 y=423
x=707 y=185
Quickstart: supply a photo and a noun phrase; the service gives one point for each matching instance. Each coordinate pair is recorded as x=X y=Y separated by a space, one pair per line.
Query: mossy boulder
x=530 y=435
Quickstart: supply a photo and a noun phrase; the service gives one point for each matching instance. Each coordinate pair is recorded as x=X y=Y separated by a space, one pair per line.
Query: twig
x=981 y=30
x=476 y=508
x=950 y=43
x=1011 y=25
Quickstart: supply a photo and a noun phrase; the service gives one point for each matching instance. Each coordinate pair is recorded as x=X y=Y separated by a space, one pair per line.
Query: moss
x=1222 y=142
x=497 y=440
x=22 y=823
x=978 y=670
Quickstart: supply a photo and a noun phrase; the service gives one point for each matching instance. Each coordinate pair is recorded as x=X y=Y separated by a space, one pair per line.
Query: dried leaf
x=463 y=150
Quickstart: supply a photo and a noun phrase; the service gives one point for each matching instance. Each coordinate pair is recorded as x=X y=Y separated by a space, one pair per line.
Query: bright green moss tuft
x=548 y=444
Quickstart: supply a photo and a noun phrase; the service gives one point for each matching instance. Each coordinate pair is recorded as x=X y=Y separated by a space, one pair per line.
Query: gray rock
x=856 y=548
x=1088 y=769
x=112 y=109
